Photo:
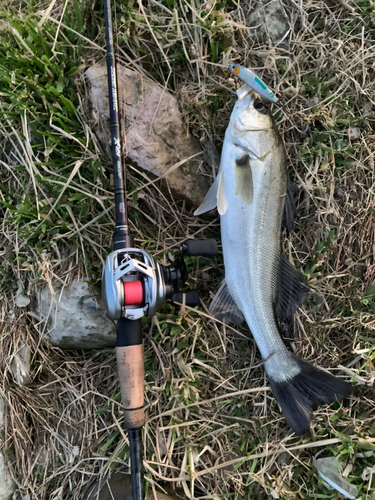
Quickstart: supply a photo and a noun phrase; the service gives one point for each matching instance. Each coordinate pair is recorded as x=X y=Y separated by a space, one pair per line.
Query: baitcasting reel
x=134 y=284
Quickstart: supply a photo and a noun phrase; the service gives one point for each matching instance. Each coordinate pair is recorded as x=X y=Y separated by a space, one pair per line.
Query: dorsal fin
x=289 y=207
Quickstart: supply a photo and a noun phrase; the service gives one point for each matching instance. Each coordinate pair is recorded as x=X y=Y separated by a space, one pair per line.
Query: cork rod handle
x=130 y=365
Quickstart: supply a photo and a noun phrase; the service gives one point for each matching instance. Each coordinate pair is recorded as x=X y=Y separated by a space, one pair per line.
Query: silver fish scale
x=251 y=248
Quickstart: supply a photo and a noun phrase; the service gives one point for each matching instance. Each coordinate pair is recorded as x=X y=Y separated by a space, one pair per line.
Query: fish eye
x=259 y=106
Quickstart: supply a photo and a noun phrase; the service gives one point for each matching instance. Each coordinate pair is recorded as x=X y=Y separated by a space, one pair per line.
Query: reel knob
x=200 y=248
x=191 y=298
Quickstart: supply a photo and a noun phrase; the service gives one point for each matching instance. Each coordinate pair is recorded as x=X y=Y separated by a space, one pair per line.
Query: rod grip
x=202 y=248
x=130 y=366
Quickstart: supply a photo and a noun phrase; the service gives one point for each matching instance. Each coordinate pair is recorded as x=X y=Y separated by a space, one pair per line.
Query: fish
x=261 y=286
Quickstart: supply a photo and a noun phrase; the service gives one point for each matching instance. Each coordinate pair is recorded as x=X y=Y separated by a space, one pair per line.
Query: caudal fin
x=299 y=396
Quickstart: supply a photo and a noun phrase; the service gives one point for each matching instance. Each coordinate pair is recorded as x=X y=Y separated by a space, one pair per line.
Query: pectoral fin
x=243 y=179
x=292 y=291
x=210 y=200
x=222 y=201
x=223 y=306
x=215 y=197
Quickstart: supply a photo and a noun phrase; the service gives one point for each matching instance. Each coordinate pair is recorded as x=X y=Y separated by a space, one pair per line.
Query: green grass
x=37 y=79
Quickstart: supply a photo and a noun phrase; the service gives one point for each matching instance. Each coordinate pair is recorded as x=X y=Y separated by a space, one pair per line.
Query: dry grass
x=213 y=428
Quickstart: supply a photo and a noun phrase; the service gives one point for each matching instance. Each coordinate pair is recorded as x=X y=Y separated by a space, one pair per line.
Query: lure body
x=253 y=81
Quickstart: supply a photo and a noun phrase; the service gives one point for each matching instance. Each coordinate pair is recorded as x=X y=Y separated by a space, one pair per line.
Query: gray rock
x=156 y=137
x=366 y=109
x=354 y=133
x=21 y=365
x=76 y=319
x=7 y=485
x=270 y=20
x=21 y=299
x=311 y=103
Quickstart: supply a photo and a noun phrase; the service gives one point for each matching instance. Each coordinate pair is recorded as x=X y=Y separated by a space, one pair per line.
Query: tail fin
x=299 y=396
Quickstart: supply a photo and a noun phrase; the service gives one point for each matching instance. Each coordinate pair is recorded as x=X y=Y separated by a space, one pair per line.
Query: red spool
x=133 y=291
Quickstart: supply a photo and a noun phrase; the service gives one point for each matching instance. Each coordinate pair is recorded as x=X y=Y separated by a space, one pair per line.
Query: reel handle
x=200 y=248
x=191 y=298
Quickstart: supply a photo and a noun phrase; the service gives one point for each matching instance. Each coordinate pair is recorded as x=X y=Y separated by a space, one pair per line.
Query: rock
x=77 y=320
x=21 y=299
x=366 y=108
x=121 y=489
x=354 y=133
x=156 y=137
x=271 y=21
x=21 y=365
x=311 y=103
x=7 y=485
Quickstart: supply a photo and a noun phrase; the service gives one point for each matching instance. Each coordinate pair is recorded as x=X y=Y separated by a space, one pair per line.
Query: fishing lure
x=253 y=81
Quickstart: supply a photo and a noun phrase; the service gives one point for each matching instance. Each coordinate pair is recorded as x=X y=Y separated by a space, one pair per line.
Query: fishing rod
x=135 y=284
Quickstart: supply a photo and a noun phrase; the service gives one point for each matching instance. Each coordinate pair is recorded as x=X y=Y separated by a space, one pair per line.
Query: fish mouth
x=245 y=130
x=257 y=130
x=252 y=154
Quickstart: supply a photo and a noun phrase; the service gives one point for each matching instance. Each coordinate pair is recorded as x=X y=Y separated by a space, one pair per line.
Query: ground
x=213 y=428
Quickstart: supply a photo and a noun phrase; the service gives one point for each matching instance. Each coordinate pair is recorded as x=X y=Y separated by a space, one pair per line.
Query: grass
x=213 y=428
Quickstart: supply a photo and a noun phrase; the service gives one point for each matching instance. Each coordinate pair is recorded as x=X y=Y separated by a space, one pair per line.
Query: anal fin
x=292 y=290
x=223 y=306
